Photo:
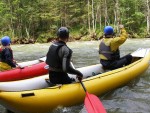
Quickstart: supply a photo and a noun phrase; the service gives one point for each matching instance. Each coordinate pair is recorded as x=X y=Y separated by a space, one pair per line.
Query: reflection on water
x=134 y=97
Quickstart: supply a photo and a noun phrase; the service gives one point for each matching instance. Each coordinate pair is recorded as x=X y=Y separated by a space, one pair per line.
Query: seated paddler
x=59 y=60
x=109 y=49
x=7 y=61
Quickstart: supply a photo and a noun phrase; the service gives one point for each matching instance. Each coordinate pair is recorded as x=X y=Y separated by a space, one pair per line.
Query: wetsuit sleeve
x=8 y=58
x=66 y=58
x=117 y=41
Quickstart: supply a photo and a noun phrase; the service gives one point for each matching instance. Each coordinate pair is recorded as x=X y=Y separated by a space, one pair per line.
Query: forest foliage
x=38 y=20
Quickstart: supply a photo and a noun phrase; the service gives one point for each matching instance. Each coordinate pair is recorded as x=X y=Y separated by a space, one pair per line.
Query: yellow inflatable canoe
x=47 y=99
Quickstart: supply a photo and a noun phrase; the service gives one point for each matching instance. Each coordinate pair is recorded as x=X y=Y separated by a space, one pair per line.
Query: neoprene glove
x=80 y=76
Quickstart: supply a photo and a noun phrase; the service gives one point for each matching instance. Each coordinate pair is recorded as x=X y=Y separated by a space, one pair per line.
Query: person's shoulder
x=7 y=49
x=65 y=47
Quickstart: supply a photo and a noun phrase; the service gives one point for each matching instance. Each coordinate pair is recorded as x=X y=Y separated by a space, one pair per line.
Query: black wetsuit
x=118 y=63
x=7 y=57
x=58 y=59
x=0 y=54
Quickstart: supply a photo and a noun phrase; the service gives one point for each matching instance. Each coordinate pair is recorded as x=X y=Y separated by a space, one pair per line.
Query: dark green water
x=132 y=98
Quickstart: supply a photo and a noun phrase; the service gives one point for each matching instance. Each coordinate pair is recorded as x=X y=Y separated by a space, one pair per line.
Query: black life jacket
x=53 y=59
x=3 y=58
x=0 y=54
x=106 y=51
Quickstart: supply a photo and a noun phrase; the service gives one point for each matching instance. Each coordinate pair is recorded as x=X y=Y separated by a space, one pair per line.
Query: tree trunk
x=11 y=19
x=93 y=18
x=96 y=15
x=89 y=23
x=100 y=16
x=117 y=16
x=27 y=32
x=148 y=17
x=106 y=14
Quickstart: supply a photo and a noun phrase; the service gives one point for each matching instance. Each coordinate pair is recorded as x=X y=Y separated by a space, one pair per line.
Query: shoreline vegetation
x=71 y=39
x=36 y=21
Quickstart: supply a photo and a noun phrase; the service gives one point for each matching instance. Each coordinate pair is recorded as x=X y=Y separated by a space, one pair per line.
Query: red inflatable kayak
x=24 y=73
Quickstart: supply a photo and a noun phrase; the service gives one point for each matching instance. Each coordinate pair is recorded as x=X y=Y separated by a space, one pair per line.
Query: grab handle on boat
x=27 y=94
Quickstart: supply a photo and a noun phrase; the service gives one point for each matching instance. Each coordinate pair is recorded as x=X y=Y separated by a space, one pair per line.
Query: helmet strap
x=108 y=36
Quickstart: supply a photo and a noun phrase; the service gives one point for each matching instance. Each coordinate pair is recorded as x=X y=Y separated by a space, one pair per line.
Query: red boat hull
x=25 y=73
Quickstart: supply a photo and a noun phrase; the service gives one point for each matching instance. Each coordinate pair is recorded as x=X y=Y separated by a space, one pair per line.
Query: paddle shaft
x=83 y=86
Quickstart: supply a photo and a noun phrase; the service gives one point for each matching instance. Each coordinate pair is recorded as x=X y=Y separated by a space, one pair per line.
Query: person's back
x=7 y=61
x=109 y=49
x=0 y=53
x=58 y=59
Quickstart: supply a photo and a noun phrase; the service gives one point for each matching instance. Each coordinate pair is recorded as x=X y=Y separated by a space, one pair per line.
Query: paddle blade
x=93 y=104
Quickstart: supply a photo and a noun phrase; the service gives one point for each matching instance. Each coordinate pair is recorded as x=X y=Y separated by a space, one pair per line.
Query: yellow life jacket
x=4 y=66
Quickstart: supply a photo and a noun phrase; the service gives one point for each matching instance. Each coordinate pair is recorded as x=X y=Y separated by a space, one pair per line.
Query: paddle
x=92 y=102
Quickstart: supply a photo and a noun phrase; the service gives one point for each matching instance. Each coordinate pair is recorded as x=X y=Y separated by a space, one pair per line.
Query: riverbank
x=91 y=37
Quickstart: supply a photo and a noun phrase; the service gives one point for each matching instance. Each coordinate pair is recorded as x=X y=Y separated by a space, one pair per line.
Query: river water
x=132 y=98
